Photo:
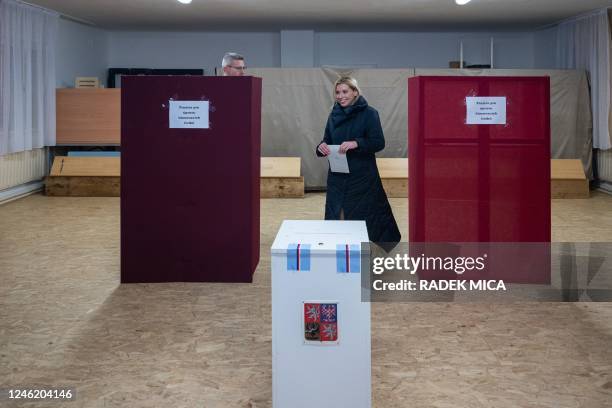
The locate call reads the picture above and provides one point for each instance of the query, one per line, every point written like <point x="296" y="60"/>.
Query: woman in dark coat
<point x="358" y="195"/>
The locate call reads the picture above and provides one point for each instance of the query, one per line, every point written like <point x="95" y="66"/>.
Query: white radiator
<point x="604" y="169"/>
<point x="23" y="167"/>
<point x="604" y="165"/>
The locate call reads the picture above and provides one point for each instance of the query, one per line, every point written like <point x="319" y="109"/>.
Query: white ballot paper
<point x="337" y="161"/>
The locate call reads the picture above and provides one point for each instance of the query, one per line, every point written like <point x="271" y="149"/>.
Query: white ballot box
<point x="321" y="353"/>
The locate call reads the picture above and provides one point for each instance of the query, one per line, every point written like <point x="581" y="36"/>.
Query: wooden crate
<point x="394" y="176"/>
<point x="86" y="82"/>
<point x="88" y="116"/>
<point x="280" y="177"/>
<point x="567" y="179"/>
<point x="84" y="177"/>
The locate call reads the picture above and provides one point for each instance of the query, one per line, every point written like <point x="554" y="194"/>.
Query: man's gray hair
<point x="229" y="57"/>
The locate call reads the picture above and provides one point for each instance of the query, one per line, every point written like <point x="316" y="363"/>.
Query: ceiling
<point x="363" y="15"/>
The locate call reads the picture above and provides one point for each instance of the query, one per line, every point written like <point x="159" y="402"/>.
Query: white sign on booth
<point x="485" y="110"/>
<point x="189" y="115"/>
<point x="321" y="353"/>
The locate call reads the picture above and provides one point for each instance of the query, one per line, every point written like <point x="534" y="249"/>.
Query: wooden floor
<point x="66" y="321"/>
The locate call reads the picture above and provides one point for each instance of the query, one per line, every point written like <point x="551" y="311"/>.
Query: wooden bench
<point x="567" y="179"/>
<point x="101" y="176"/>
<point x="280" y="178"/>
<point x="84" y="177"/>
<point x="394" y="176"/>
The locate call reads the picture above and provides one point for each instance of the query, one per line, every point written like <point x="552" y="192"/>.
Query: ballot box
<point x="320" y="327"/>
<point x="190" y="169"/>
<point x="479" y="157"/>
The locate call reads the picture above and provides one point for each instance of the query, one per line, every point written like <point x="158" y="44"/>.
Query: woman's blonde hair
<point x="348" y="81"/>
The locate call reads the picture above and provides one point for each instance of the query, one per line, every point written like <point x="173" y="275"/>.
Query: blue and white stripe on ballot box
<point x="348" y="258"/>
<point x="298" y="257"/>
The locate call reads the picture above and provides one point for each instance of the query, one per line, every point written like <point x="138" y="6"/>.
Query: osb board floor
<point x="66" y="321"/>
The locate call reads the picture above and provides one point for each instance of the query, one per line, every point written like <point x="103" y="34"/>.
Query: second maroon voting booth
<point x="479" y="168"/>
<point x="190" y="168"/>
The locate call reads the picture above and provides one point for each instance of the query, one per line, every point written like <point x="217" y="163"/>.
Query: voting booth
<point x="321" y="354"/>
<point x="190" y="168"/>
<point x="479" y="157"/>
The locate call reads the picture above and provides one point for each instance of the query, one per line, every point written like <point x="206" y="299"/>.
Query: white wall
<point x="298" y="49"/>
<point x="423" y="50"/>
<point x="545" y="48"/>
<point x="81" y="51"/>
<point x="129" y="49"/>
<point x="87" y="51"/>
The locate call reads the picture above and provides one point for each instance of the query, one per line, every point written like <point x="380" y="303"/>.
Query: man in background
<point x="233" y="64"/>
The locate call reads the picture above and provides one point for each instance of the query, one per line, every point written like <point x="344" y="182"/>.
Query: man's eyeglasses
<point x="243" y="68"/>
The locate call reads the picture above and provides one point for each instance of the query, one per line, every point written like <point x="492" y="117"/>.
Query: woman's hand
<point x="346" y="146"/>
<point x="324" y="149"/>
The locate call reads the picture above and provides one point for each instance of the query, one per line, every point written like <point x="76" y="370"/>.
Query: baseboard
<point x="605" y="186"/>
<point x="20" y="191"/>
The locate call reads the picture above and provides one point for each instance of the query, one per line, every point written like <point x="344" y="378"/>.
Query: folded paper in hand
<point x="337" y="161"/>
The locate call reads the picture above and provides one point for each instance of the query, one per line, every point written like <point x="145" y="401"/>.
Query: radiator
<point x="604" y="169"/>
<point x="604" y="165"/>
<point x="23" y="167"/>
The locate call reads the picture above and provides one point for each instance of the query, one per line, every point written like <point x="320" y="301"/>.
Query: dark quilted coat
<point x="360" y="193"/>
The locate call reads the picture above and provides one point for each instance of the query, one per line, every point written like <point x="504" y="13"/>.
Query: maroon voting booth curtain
<point x="481" y="182"/>
<point x="190" y="197"/>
